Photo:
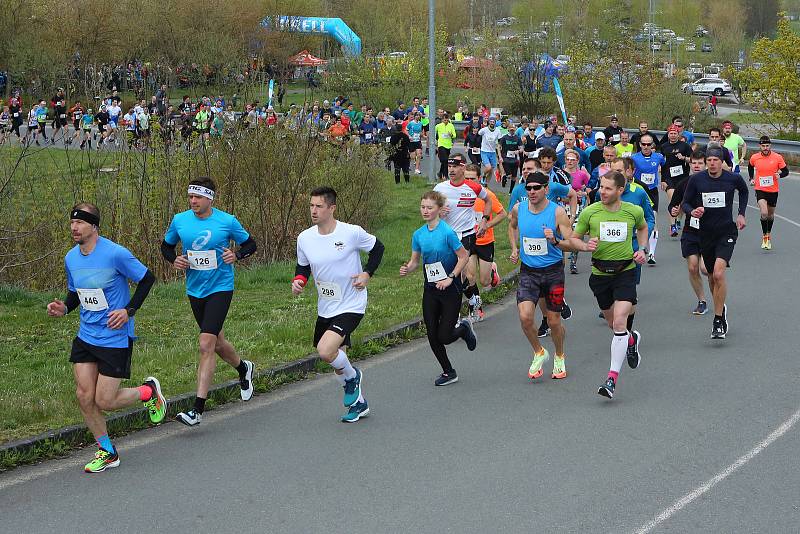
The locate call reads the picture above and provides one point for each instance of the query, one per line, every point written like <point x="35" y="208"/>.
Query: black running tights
<point x="440" y="312"/>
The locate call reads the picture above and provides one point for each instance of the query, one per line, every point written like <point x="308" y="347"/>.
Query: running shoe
<point x="102" y="460"/>
<point x="356" y="412"/>
<point x="157" y="405"/>
<point x="678" y="224"/>
<point x="535" y="370"/>
<point x="417" y="171"/>
<point x="505" y="180"/>
<point x="246" y="381"/>
<point x="352" y="389"/>
<point x="497" y="176"/>
<point x="566" y="312"/>
<point x="725" y="317"/>
<point x="190" y="418"/>
<point x="480" y="315"/>
<point x="495" y="275"/>
<point x="607" y="389"/>
<point x="445" y="379"/>
<point x="718" y="329"/>
<point x="544" y="330"/>
<point x="768" y="242"/>
<point x="573" y="267"/>
<point x="651" y="259"/>
<point x="764" y="242"/>
<point x="559" y="367"/>
<point x="701" y="309"/>
<point x="634" y="358"/>
<point x="600" y="315"/>
<point x="469" y="334"/>
<point x="673" y="230"/>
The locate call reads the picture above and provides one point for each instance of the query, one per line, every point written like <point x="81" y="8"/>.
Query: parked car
<point x="641" y="38"/>
<point x="694" y="69"/>
<point x="700" y="31"/>
<point x="712" y="71"/>
<point x="716" y="86"/>
<point x="691" y="47"/>
<point x="706" y="47"/>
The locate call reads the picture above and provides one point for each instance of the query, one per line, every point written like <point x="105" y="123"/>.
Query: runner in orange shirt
<point x="483" y="260"/>
<point x="765" y="168"/>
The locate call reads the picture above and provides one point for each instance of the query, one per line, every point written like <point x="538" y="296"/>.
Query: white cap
<point x="599" y="135"/>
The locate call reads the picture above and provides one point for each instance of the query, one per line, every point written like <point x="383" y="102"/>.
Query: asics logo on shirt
<point x="202" y="241"/>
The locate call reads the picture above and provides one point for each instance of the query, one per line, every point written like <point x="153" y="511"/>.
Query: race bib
<point x="63" y="116"/>
<point x="92" y="299"/>
<point x="615" y="138"/>
<point x="714" y="200"/>
<point x="534" y="246"/>
<point x="435" y="272"/>
<point x="415" y="137"/>
<point x="613" y="232"/>
<point x="648" y="178"/>
<point x="329" y="291"/>
<point x="626" y="154"/>
<point x="766" y="181"/>
<point x="476" y="150"/>
<point x="511" y="154"/>
<point x="388" y="139"/>
<point x="694" y="222"/>
<point x="676" y="171"/>
<point x="445" y="135"/>
<point x="368" y="136"/>
<point x="16" y="114"/>
<point x="202" y="260"/>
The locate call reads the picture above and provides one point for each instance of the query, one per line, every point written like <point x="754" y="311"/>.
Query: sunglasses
<point x="535" y="187"/>
<point x="645" y="144"/>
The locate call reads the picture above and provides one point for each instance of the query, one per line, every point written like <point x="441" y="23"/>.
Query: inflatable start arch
<point x="332" y="27"/>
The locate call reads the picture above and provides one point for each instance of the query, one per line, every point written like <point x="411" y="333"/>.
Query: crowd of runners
<point x="572" y="190"/>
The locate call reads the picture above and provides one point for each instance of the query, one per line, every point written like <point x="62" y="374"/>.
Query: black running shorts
<point x="717" y="246"/>
<point x="771" y="198"/>
<point x="113" y="362"/>
<point x="469" y="243"/>
<point x="546" y="283"/>
<point x="485" y="252"/>
<point x="690" y="244"/>
<point x="343" y="324"/>
<point x="609" y="288"/>
<point x="210" y="311"/>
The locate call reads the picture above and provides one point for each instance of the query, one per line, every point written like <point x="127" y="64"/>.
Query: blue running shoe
<point x="469" y="334"/>
<point x="352" y="389"/>
<point x="356" y="412"/>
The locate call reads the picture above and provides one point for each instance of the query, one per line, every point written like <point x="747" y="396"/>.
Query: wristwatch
<point x="131" y="311"/>
<point x="486" y="217"/>
<point x="452" y="275"/>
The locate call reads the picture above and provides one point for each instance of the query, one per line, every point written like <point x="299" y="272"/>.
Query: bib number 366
<point x="613" y="232"/>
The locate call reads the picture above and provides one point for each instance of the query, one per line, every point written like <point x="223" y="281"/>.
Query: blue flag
<point x="560" y="97"/>
<point x="272" y="87"/>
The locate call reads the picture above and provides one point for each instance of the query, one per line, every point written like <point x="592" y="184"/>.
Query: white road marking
<point x="719" y="477"/>
<point x="781" y="217"/>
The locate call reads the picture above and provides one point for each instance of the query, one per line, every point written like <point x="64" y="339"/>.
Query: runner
<point x="764" y="169"/>
<point x="489" y="136"/>
<point x="415" y="134"/>
<point x="459" y="214"/>
<point x="330" y="251"/>
<point x="445" y="134"/>
<point x="41" y="119"/>
<point x="676" y="167"/>
<point x="87" y="120"/>
<point x="98" y="271"/>
<point x="472" y="140"/>
<point x="580" y="182"/>
<point x="538" y="226"/>
<point x="709" y="198"/>
<point x="59" y="103"/>
<point x="483" y="260"/>
<point x="625" y="148"/>
<point x="690" y="238"/>
<point x="648" y="164"/>
<point x="76" y="112"/>
<point x="205" y="234"/>
<point x="399" y="150"/>
<point x="5" y="124"/>
<point x="509" y="150"/>
<point x="17" y="118"/>
<point x="613" y="132"/>
<point x="444" y="259"/>
<point x="735" y="144"/>
<point x="611" y="224"/>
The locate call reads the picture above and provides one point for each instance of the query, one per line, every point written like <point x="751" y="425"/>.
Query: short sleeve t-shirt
<point x="489" y="138"/>
<point x="732" y="143"/>
<point x="646" y="168"/>
<point x="497" y="208"/>
<point x="615" y="229"/>
<point x="414" y="130"/>
<point x="203" y="241"/>
<point x="461" y="203"/>
<point x="334" y="259"/>
<point x="767" y="167"/>
<point x="436" y="246"/>
<point x="101" y="280"/>
<point x="445" y="134"/>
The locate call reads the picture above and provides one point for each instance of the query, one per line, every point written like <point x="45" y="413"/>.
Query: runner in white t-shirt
<point x="490" y="135"/>
<point x="330" y="251"/>
<point x="459" y="214"/>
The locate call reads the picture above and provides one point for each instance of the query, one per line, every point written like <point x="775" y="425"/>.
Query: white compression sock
<point x="653" y="242"/>
<point x="619" y="348"/>
<point x="343" y="364"/>
<point x="339" y="378"/>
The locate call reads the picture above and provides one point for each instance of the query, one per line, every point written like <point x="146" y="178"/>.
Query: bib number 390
<point x="534" y="246"/>
<point x="92" y="299"/>
<point x="613" y="232"/>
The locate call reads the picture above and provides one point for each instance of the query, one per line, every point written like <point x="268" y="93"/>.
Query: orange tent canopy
<point x="306" y="59"/>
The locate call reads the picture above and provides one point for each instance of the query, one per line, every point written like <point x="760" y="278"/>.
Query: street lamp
<point x="431" y="91"/>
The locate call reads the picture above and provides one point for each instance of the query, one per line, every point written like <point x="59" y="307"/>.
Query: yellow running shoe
<point x="102" y="460"/>
<point x="536" y="365"/>
<point x="559" y="368"/>
<point x="768" y="242"/>
<point x="764" y="242"/>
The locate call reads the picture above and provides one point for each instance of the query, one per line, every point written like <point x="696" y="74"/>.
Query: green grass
<point x="745" y="118"/>
<point x="265" y="324"/>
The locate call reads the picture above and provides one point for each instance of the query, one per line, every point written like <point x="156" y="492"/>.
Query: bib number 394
<point x="202" y="260"/>
<point x="534" y="246"/>
<point x="714" y="200"/>
<point x="329" y="291"/>
<point x="92" y="299"/>
<point x="613" y="232"/>
<point x="434" y="272"/>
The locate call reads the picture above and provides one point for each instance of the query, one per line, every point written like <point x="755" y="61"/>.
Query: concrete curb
<point x="137" y="418"/>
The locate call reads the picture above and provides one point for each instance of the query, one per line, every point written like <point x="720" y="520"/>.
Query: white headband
<point x="201" y="191"/>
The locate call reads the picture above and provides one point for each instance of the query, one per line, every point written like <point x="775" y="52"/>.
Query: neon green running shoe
<point x="102" y="460"/>
<point x="536" y="365"/>
<point x="559" y="367"/>
<point x="157" y="405"/>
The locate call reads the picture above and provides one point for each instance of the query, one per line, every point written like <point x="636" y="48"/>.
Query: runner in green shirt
<point x="611" y="224"/>
<point x="445" y="134"/>
<point x="735" y="144"/>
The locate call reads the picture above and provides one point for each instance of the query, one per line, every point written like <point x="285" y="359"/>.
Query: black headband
<point x="82" y="215"/>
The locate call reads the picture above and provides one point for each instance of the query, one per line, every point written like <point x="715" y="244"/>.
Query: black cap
<point x="764" y="140"/>
<point x="537" y="178"/>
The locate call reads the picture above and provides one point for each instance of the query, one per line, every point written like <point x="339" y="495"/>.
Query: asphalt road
<point x="701" y="438"/>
